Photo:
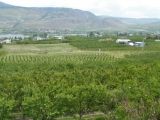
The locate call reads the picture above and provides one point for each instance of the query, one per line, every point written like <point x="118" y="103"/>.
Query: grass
<point x="47" y="41"/>
<point x="95" y="44"/>
<point x="3" y="52"/>
<point x="39" y="49"/>
<point x="59" y="49"/>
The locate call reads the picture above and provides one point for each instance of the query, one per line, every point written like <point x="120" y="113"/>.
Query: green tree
<point x="1" y="45"/>
<point x="6" y="107"/>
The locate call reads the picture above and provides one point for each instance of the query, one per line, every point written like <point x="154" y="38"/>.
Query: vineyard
<point x="57" y="59"/>
<point x="62" y="82"/>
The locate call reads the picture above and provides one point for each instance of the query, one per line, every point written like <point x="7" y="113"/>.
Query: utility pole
<point x="143" y="43"/>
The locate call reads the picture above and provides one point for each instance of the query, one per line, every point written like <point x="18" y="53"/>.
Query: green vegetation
<point x="97" y="43"/>
<point x="2" y="52"/>
<point x="109" y="44"/>
<point x="48" y="41"/>
<point x="1" y="46"/>
<point x="59" y="81"/>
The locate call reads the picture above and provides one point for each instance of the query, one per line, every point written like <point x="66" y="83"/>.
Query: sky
<point x="116" y="8"/>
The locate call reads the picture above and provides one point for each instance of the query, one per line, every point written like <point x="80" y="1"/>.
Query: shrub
<point x="1" y="45"/>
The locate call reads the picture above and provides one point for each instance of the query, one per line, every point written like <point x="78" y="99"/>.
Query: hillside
<point x="14" y="18"/>
<point x="4" y="5"/>
<point x="51" y="19"/>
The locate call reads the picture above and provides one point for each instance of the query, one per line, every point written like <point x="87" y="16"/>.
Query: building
<point x="157" y="40"/>
<point x="59" y="37"/>
<point x="123" y="41"/>
<point x="13" y="36"/>
<point x="5" y="41"/>
<point x="39" y="38"/>
<point x="139" y="44"/>
<point x="94" y="34"/>
<point x="130" y="43"/>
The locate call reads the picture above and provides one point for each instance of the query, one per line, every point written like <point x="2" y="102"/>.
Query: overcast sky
<point x="119" y="8"/>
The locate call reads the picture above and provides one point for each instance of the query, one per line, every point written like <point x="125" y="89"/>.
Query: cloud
<point x="120" y="8"/>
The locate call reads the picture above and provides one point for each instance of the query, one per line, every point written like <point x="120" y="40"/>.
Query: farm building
<point x="59" y="37"/>
<point x="13" y="36"/>
<point x="139" y="44"/>
<point x="39" y="38"/>
<point x="130" y="43"/>
<point x="157" y="40"/>
<point x="123" y="41"/>
<point x="5" y="41"/>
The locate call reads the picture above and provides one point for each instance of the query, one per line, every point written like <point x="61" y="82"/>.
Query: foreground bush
<point x="1" y="45"/>
<point x="41" y="88"/>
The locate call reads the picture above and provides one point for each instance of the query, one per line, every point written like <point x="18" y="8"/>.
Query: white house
<point x="139" y="44"/>
<point x="157" y="40"/>
<point x="131" y="43"/>
<point x="123" y="41"/>
<point x="13" y="36"/>
<point x="59" y="37"/>
<point x="5" y="41"/>
<point x="39" y="38"/>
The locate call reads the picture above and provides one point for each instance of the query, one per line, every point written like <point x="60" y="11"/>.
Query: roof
<point x="139" y="42"/>
<point x="123" y="40"/>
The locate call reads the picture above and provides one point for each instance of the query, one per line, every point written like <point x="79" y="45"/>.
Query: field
<point x="88" y="79"/>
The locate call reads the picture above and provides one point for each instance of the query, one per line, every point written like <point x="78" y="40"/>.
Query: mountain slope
<point x="21" y="18"/>
<point x="4" y="5"/>
<point x="14" y="18"/>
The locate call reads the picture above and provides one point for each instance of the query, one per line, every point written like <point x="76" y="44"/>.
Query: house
<point x="39" y="38"/>
<point x="139" y="44"/>
<point x="157" y="40"/>
<point x="94" y="34"/>
<point x="131" y="43"/>
<point x="5" y="41"/>
<point x="123" y="41"/>
<point x="59" y="37"/>
<point x="130" y="34"/>
<point x="13" y="36"/>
